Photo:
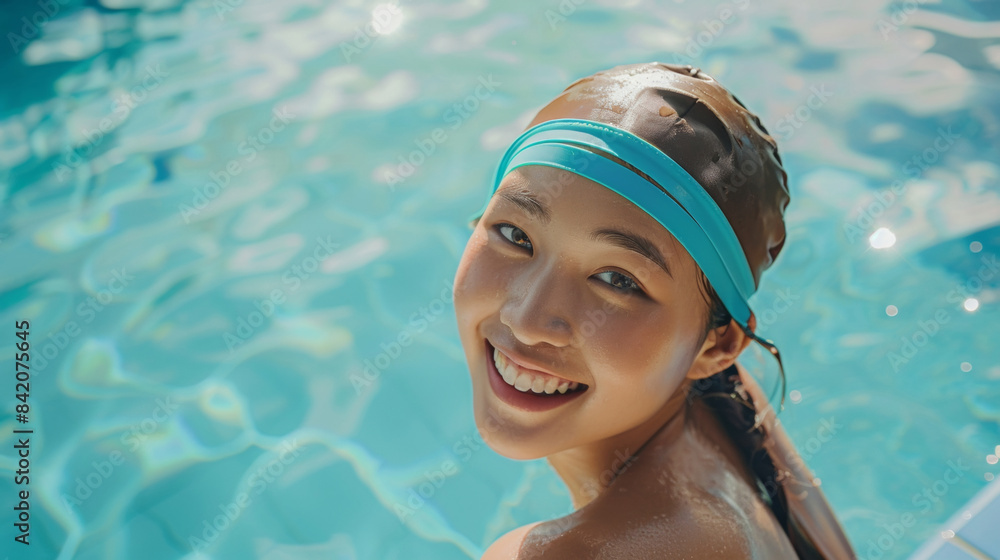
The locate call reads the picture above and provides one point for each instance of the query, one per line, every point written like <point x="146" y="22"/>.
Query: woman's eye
<point x="620" y="282"/>
<point x="516" y="235"/>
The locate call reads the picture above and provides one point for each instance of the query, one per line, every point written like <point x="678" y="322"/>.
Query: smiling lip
<point x="529" y="401"/>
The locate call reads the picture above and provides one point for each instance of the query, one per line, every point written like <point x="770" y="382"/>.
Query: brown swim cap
<point x="700" y="125"/>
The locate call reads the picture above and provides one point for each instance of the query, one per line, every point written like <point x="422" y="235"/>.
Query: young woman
<point x="602" y="303"/>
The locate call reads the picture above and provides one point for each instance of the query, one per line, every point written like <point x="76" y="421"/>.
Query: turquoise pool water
<point x="222" y="217"/>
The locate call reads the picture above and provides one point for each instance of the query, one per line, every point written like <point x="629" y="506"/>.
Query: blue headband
<point x="675" y="199"/>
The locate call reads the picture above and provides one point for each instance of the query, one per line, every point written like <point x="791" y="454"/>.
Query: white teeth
<point x="525" y="382"/>
<point x="508" y="374"/>
<point x="538" y="385"/>
<point x="551" y="385"/>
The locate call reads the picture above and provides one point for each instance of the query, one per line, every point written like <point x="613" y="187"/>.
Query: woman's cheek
<point x="640" y="355"/>
<point x="476" y="281"/>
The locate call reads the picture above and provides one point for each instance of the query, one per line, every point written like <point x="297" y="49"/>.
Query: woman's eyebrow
<point x="626" y="240"/>
<point x="633" y="242"/>
<point x="527" y="202"/>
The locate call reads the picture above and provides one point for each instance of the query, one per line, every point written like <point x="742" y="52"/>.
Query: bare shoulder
<point x="507" y="546"/>
<point x="698" y="536"/>
<point x="690" y="537"/>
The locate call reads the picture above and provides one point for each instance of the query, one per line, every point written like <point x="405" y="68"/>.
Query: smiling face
<point x="580" y="298"/>
<point x="565" y="276"/>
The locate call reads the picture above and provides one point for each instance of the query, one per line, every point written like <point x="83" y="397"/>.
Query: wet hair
<point x="718" y="315"/>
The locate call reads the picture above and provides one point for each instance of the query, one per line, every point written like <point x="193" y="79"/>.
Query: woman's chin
<point x="515" y="450"/>
<point x="505" y="439"/>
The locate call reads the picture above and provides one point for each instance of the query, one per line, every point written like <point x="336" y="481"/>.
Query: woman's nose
<point x="539" y="306"/>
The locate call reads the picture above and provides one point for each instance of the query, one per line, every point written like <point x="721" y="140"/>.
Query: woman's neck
<point x="588" y="470"/>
